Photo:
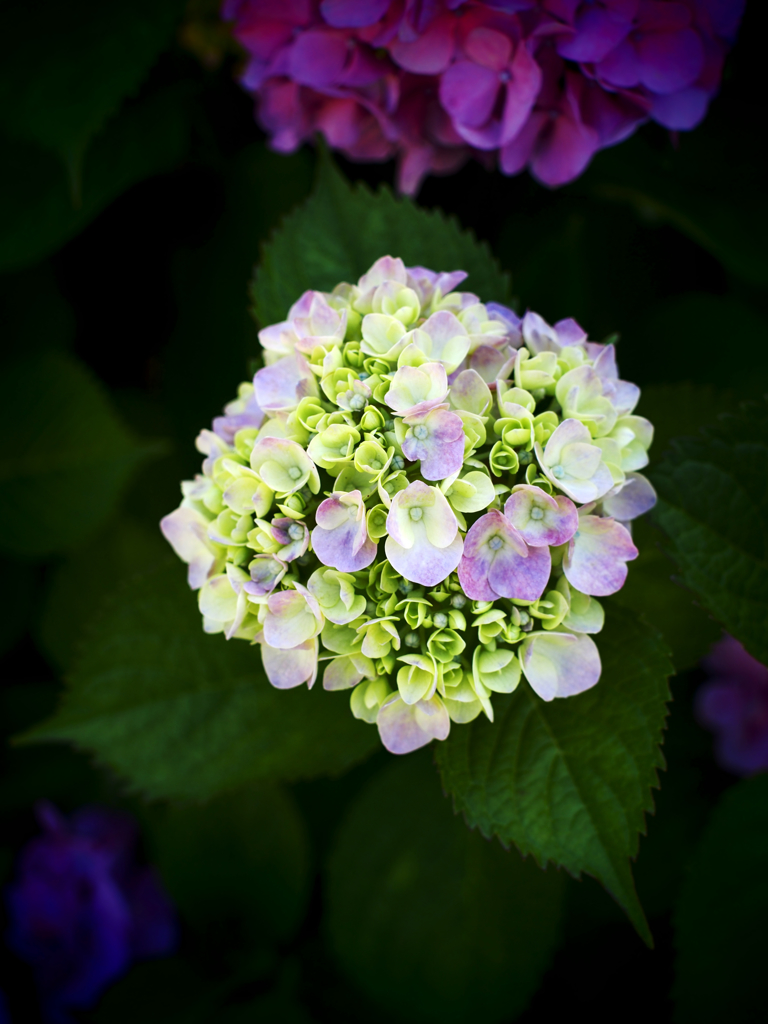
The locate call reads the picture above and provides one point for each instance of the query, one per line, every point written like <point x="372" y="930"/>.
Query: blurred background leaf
<point x="570" y="781"/>
<point x="179" y="713"/>
<point x="68" y="66"/>
<point x="342" y="229"/>
<point x="720" y="918"/>
<point x="713" y="507"/>
<point x="67" y="457"/>
<point x="433" y="922"/>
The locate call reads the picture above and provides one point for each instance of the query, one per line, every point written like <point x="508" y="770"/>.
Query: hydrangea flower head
<point x="428" y="517"/>
<point x="81" y="909"/>
<point x="536" y="83"/>
<point x="733" y="703"/>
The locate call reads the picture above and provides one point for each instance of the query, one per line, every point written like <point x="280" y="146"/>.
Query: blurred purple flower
<point x="81" y="909"/>
<point x="733" y="703"/>
<point x="540" y="83"/>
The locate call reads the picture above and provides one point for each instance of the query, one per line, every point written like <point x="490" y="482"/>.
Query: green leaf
<point x="148" y="136"/>
<point x="652" y="591"/>
<point x="237" y="868"/>
<point x="342" y="229"/>
<point x="79" y="587"/>
<point x="66" y="459"/>
<point x="720" y="918"/>
<point x="430" y="921"/>
<point x="710" y="190"/>
<point x="180" y="713"/>
<point x="569" y="781"/>
<point x="713" y="507"/>
<point x="67" y="67"/>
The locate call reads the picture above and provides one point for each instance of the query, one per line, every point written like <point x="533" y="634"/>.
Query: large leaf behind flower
<point x="720" y="917"/>
<point x="713" y="506"/>
<point x="429" y="919"/>
<point x="66" y="456"/>
<point x="569" y="781"/>
<point x="342" y="229"/>
<point x="179" y="713"/>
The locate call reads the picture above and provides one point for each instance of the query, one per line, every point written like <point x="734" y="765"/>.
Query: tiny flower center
<point x="420" y="432"/>
<point x="294" y="472"/>
<point x="558" y="471"/>
<point x="495" y="543"/>
<point x="537" y="513"/>
<point x="295" y="532"/>
<point x="398" y="462"/>
<point x="375" y="464"/>
<point x="357" y="402"/>
<point x="440" y="620"/>
<point x="416" y="513"/>
<point x="458" y="600"/>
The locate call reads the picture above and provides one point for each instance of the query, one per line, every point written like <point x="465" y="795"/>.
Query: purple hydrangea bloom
<point x="81" y="909"/>
<point x="536" y="83"/>
<point x="733" y="703"/>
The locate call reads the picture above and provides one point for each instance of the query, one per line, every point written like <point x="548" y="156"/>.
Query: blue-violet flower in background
<point x="82" y="909"/>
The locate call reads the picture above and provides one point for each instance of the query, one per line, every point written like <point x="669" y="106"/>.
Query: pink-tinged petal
<point x="515" y="155"/>
<point x="568" y="432"/>
<point x="565" y="151"/>
<point x="560" y="664"/>
<point x="522" y="90"/>
<point x="418" y="387"/>
<point x="621" y="67"/>
<point x="670" y="61"/>
<point x="281" y="386"/>
<point x="292" y="619"/>
<point x="317" y="57"/>
<point x="287" y="669"/>
<point x="498" y="563"/>
<point x="386" y="268"/>
<point x="186" y="530"/>
<point x="424" y="563"/>
<point x="681" y="111"/>
<point x="266" y="572"/>
<point x="520" y="579"/>
<point x="489" y="48"/>
<point x="468" y="92"/>
<point x="598" y="31"/>
<point x="335" y="548"/>
<point x="353" y="13"/>
<point x="541" y="518"/>
<point x="569" y="332"/>
<point x="632" y="499"/>
<point x="430" y="52"/>
<point x="470" y="393"/>
<point x="407" y="727"/>
<point x="595" y="562"/>
<point x="441" y="451"/>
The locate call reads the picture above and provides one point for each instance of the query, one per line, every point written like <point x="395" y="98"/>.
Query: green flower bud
<point x="372" y="419"/>
<point x="445" y="645"/>
<point x="551" y="609"/>
<point x="371" y="458"/>
<point x="376" y="521"/>
<point x="415" y="611"/>
<point x="503" y="459"/>
<point x="417" y="679"/>
<point x="333" y="447"/>
<point x="379" y="637"/>
<point x="489" y="625"/>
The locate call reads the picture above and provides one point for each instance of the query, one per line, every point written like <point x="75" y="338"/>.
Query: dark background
<point x="662" y="240"/>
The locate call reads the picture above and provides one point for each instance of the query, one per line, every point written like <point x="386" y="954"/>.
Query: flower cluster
<point x="733" y="703"/>
<point x="81" y="910"/>
<point x="537" y="83"/>
<point x="423" y="492"/>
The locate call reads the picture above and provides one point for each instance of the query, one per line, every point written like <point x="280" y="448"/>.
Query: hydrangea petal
<point x="595" y="562"/>
<point x="407" y="727"/>
<point x="560" y="664"/>
<point x="287" y="669"/>
<point x="541" y="518"/>
<point x="631" y="499"/>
